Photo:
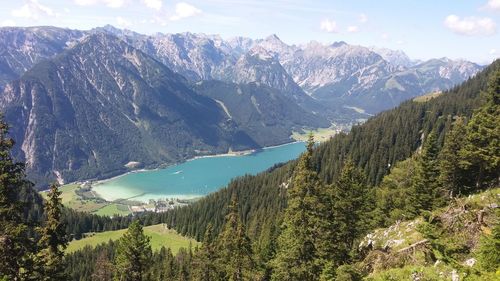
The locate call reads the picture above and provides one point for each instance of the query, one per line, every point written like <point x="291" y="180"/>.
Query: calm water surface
<point x="196" y="177"/>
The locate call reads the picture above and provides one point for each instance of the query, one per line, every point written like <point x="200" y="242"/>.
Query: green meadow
<point x="160" y="236"/>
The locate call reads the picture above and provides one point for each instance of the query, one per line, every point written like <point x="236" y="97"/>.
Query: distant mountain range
<point x="82" y="104"/>
<point x="338" y="74"/>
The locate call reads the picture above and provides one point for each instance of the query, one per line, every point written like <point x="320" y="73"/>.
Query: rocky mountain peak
<point x="397" y="58"/>
<point x="273" y="40"/>
<point x="261" y="53"/>
<point x="273" y="44"/>
<point x="338" y="44"/>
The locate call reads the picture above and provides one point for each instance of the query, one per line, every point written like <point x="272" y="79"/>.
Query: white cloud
<point x="493" y="51"/>
<point x="363" y="18"/>
<point x="109" y="3"/>
<point x="114" y="3"/>
<point x="470" y="26"/>
<point x="121" y="22"/>
<point x="33" y="10"/>
<point x="7" y="23"/>
<point x="160" y="20"/>
<point x="86" y="2"/>
<point x="153" y="4"/>
<point x="385" y="36"/>
<point x="184" y="10"/>
<point x="400" y="42"/>
<point x="329" y="26"/>
<point x="352" y="29"/>
<point x="493" y="5"/>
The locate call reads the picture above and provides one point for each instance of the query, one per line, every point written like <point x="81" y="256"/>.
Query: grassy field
<point x="427" y="97"/>
<point x="160" y="236"/>
<point x="90" y="204"/>
<point x="113" y="210"/>
<point x="321" y="134"/>
<point x="68" y="195"/>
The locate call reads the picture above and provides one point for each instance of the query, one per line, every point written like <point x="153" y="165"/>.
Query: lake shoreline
<point x="163" y="166"/>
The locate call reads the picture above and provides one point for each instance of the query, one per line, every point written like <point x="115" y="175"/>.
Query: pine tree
<point x="53" y="241"/>
<point x="392" y="193"/>
<point x="351" y="211"/>
<point x="303" y="245"/>
<point x="424" y="191"/>
<point x="103" y="270"/>
<point x="15" y="244"/>
<point x="481" y="153"/>
<point x="133" y="254"/>
<point x="204" y="268"/>
<point x="234" y="248"/>
<point x="268" y="252"/>
<point x="452" y="177"/>
<point x="169" y="269"/>
<point x="184" y="261"/>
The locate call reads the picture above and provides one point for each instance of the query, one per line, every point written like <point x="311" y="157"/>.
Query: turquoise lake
<point x="194" y="178"/>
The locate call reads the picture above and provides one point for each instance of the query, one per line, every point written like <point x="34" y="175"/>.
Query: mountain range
<point x="337" y="74"/>
<point x="84" y="104"/>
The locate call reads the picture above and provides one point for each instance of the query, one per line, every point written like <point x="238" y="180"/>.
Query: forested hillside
<point x="382" y="141"/>
<point x="267" y="115"/>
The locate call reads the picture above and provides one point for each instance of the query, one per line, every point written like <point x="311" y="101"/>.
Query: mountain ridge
<point x="338" y="74"/>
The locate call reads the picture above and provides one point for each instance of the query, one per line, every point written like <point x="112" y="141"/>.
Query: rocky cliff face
<point x="21" y="48"/>
<point x="372" y="79"/>
<point x="196" y="57"/>
<point x="336" y="75"/>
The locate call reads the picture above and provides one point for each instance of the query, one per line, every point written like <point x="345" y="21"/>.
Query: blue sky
<point x="468" y="29"/>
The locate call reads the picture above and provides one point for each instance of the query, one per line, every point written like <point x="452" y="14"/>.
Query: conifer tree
<point x="351" y="211"/>
<point x="184" y="260"/>
<point x="103" y="270"/>
<point x="425" y="183"/>
<point x="53" y="241"/>
<point x="169" y="264"/>
<point x="452" y="177"/>
<point x="133" y="254"/>
<point x="15" y="244"/>
<point x="234" y="248"/>
<point x="392" y="193"/>
<point x="481" y="153"/>
<point x="204" y="268"/>
<point x="303" y="243"/>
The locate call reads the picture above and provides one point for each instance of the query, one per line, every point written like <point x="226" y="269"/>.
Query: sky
<point x="458" y="29"/>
